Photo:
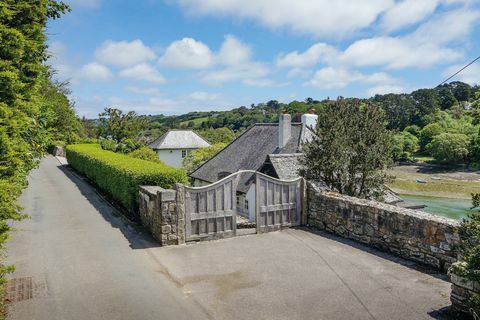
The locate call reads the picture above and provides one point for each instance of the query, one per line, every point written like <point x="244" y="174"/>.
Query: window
<point x="184" y="153"/>
<point x="238" y="200"/>
<point x="246" y="204"/>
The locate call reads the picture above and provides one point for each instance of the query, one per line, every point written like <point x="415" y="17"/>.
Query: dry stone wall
<point x="161" y="212"/>
<point x="410" y="234"/>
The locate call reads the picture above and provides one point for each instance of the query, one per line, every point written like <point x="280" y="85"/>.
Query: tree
<point x="428" y="133"/>
<point x="198" y="157"/>
<point x="219" y="135"/>
<point x="145" y="153"/>
<point x="404" y="145"/>
<point x="116" y="125"/>
<point x="449" y="148"/>
<point x="446" y="97"/>
<point x="23" y="132"/>
<point x="426" y="102"/>
<point x="350" y="148"/>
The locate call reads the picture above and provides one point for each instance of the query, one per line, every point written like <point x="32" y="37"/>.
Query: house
<point x="175" y="145"/>
<point x="267" y="147"/>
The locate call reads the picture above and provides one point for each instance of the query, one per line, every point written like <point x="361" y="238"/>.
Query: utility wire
<point x="465" y="67"/>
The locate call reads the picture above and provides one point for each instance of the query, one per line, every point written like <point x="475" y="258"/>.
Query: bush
<point x="120" y="175"/>
<point x="449" y="148"/>
<point x="428" y="133"/>
<point x="404" y="145"/>
<point x="145" y="153"/>
<point x="109" y="145"/>
<point x="468" y="250"/>
<point x="198" y="157"/>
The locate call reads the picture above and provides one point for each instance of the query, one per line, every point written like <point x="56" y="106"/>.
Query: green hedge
<point x="120" y="175"/>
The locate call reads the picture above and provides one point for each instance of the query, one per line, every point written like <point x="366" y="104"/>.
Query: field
<point x="197" y="121"/>
<point x="457" y="183"/>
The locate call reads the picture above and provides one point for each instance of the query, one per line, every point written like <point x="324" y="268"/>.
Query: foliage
<point x="57" y="113"/>
<point x="108" y="144"/>
<point x="145" y="153"/>
<point x="24" y="135"/>
<point x="198" y="157"/>
<point x="119" y="126"/>
<point x="219" y="135"/>
<point x="468" y="250"/>
<point x="120" y="175"/>
<point x="449" y="148"/>
<point x="474" y="149"/>
<point x="404" y="145"/>
<point x="350" y="149"/>
<point x="428" y="133"/>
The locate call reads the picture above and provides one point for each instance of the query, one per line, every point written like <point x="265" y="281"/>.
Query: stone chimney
<point x="284" y="129"/>
<point x="310" y="119"/>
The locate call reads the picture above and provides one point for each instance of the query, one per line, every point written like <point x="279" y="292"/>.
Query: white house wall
<point x="172" y="157"/>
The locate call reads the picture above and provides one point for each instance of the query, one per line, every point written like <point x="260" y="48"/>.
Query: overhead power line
<point x="465" y="67"/>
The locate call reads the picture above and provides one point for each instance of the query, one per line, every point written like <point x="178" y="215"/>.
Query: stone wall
<point x="462" y="290"/>
<point x="410" y="234"/>
<point x="161" y="213"/>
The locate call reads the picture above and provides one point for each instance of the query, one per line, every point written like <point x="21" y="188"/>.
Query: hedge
<point x="120" y="175"/>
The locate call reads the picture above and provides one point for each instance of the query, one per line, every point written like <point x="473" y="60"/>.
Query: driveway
<point x="88" y="263"/>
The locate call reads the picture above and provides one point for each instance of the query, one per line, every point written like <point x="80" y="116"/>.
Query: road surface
<point x="85" y="262"/>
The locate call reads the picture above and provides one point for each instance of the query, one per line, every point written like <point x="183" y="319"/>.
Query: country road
<point x="82" y="261"/>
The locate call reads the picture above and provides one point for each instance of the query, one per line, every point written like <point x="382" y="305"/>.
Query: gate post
<point x="303" y="202"/>
<point x="180" y="208"/>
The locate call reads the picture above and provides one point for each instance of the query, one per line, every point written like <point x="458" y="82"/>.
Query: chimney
<point x="310" y="119"/>
<point x="284" y="129"/>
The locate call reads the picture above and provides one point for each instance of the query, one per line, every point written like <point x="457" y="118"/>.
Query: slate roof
<point x="179" y="139"/>
<point x="285" y="166"/>
<point x="248" y="152"/>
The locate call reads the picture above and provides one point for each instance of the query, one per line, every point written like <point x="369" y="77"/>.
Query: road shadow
<point x="138" y="237"/>
<point x="377" y="252"/>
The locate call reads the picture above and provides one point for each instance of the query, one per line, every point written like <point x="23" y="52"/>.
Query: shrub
<point x="428" y="133"/>
<point x="404" y="145"/>
<point x="449" y="148"/>
<point x="468" y="250"/>
<point x="109" y="145"/>
<point x="145" y="153"/>
<point x="120" y="175"/>
<point x="198" y="157"/>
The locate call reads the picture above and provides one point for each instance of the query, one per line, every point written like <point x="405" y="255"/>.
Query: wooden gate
<point x="210" y="211"/>
<point x="279" y="203"/>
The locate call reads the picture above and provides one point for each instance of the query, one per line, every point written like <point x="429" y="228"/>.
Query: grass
<point x="197" y="121"/>
<point x="452" y="184"/>
<point x="436" y="188"/>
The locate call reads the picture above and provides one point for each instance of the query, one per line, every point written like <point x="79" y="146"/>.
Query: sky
<point x="176" y="56"/>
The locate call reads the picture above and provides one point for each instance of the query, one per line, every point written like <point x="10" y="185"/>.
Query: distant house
<point x="272" y="148"/>
<point x="175" y="145"/>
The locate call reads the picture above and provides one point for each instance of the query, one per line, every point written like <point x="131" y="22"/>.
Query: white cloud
<point x="337" y="78"/>
<point x="396" y="53"/>
<point x="57" y="51"/>
<point x="143" y="90"/>
<point x="143" y="72"/>
<point x="384" y="89"/>
<point x="243" y="72"/>
<point x="322" y="18"/>
<point x="319" y="52"/>
<point x="451" y="26"/>
<point x="124" y="53"/>
<point x="233" y="51"/>
<point x="408" y="12"/>
<point x="94" y="72"/>
<point x="470" y="75"/>
<point x="204" y="96"/>
<point x="187" y="54"/>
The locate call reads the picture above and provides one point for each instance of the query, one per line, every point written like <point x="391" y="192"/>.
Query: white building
<point x="175" y="145"/>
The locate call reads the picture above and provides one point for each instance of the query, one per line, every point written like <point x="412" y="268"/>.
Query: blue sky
<point x="176" y="56"/>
